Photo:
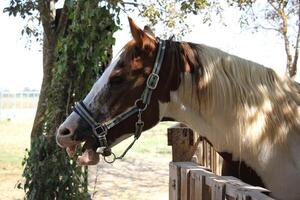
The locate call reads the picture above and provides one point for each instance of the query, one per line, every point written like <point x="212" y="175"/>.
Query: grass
<point x="10" y="159"/>
<point x="15" y="138"/>
<point x="151" y="142"/>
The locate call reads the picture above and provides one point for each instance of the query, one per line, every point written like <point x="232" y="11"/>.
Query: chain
<point x="95" y="181"/>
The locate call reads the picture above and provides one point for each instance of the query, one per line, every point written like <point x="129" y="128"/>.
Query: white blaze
<point x="100" y="83"/>
<point x="72" y="120"/>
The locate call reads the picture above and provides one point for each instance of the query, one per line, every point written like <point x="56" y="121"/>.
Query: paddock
<point x="195" y="171"/>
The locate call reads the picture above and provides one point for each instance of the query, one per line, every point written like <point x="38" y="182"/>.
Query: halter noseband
<point x="100" y="130"/>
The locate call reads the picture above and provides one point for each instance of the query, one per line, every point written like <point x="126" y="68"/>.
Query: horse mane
<point x="240" y="82"/>
<point x="260" y="100"/>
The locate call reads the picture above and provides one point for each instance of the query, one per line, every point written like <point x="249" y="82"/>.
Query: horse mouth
<point x="88" y="156"/>
<point x="71" y="150"/>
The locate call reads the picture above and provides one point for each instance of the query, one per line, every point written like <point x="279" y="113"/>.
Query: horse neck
<point x="189" y="101"/>
<point x="238" y="113"/>
<point x="185" y="107"/>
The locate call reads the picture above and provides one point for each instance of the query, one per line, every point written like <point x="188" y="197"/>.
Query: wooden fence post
<point x="184" y="145"/>
<point x="174" y="182"/>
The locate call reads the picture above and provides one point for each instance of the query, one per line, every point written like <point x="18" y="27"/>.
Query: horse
<point x="248" y="112"/>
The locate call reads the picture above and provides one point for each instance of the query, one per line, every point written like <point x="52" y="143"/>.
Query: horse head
<point x="128" y="92"/>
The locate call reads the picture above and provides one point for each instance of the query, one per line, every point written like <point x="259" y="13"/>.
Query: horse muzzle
<point x="64" y="138"/>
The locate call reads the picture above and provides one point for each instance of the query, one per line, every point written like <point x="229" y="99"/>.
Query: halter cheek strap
<point x="100" y="130"/>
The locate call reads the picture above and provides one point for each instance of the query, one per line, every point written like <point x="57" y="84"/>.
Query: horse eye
<point x="116" y="80"/>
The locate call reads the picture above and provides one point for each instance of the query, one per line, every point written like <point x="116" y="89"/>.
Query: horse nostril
<point x="64" y="132"/>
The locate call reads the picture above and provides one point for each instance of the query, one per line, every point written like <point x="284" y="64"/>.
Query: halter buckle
<point x="152" y="81"/>
<point x="103" y="129"/>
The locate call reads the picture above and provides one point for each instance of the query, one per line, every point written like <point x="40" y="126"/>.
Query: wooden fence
<point x="18" y="105"/>
<point x="200" y="179"/>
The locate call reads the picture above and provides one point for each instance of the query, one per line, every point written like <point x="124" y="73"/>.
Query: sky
<point x="21" y="67"/>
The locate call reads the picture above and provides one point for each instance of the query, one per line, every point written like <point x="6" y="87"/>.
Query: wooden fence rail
<point x="200" y="179"/>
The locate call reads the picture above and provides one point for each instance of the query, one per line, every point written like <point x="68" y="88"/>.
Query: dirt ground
<point x="135" y="179"/>
<point x="8" y="182"/>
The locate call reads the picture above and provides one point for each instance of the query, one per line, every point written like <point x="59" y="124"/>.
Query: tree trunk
<point x="295" y="61"/>
<point x="49" y="59"/>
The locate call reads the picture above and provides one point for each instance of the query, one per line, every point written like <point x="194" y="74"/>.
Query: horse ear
<point x="141" y="37"/>
<point x="136" y="32"/>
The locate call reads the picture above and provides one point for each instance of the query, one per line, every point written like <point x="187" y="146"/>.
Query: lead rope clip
<point x="139" y="125"/>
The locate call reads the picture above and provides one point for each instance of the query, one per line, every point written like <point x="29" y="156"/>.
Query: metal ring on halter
<point x="136" y="104"/>
<point x="113" y="156"/>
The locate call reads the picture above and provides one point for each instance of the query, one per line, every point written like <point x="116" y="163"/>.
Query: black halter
<point x="100" y="130"/>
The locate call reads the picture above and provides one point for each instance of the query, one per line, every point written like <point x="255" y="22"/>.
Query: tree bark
<point x="295" y="62"/>
<point x="48" y="65"/>
<point x="289" y="67"/>
<point x="47" y="12"/>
